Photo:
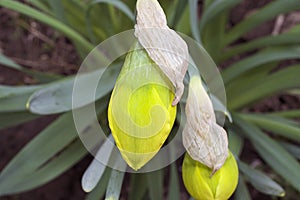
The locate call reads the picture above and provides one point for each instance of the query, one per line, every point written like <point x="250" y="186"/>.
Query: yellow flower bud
<point x="140" y="111"/>
<point x="203" y="185"/>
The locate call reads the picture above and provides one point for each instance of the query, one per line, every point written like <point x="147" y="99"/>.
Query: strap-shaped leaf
<point x="263" y="57"/>
<point x="193" y="5"/>
<point x="95" y="171"/>
<point x="273" y="153"/>
<point x="114" y="185"/>
<point x="261" y="181"/>
<point x="174" y="187"/>
<point x="14" y="98"/>
<point x="57" y="97"/>
<point x="264" y="87"/>
<point x="138" y="186"/>
<point x="155" y="184"/>
<point x="278" y="40"/>
<point x="100" y="189"/>
<point x="36" y="154"/>
<point x="292" y="148"/>
<point x="277" y="125"/>
<point x="242" y="191"/>
<point x="14" y="118"/>
<point x="268" y="12"/>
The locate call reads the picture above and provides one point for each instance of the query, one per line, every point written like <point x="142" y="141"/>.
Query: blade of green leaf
<point x="58" y="10"/>
<point x="8" y="62"/>
<point x="264" y="87"/>
<point x="99" y="190"/>
<point x="260" y="181"/>
<point x="215" y="9"/>
<point x="116" y="3"/>
<point x="178" y="12"/>
<point x="264" y="56"/>
<point x="273" y="153"/>
<point x="155" y="184"/>
<point x="73" y="153"/>
<point x="268" y="12"/>
<point x="247" y="79"/>
<point x="193" y="5"/>
<point x="43" y="77"/>
<point x="95" y="171"/>
<point x="235" y="142"/>
<point x="14" y="98"/>
<point x="15" y="118"/>
<point x="41" y="5"/>
<point x="277" y="125"/>
<point x="287" y="114"/>
<point x="57" y="96"/>
<point x="35" y="153"/>
<point x="114" y="185"/>
<point x="242" y="191"/>
<point x="44" y="18"/>
<point x="49" y="154"/>
<point x="293" y="149"/>
<point x="138" y="186"/>
<point x="174" y="189"/>
<point x="277" y="40"/>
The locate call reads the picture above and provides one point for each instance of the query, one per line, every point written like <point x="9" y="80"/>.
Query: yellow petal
<point x="140" y="111"/>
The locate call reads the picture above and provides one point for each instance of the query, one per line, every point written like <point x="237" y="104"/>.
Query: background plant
<point x="254" y="76"/>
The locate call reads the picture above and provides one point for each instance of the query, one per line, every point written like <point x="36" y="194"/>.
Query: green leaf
<point x="36" y="154"/>
<point x="41" y="76"/>
<point x="42" y="5"/>
<point x="215" y="9"/>
<point x="138" y="186"/>
<point x="57" y="96"/>
<point x="100" y="189"/>
<point x="12" y="119"/>
<point x="174" y="189"/>
<point x="14" y="98"/>
<point x="265" y="87"/>
<point x="96" y="169"/>
<point x="67" y="158"/>
<point x="235" y="142"/>
<point x="292" y="148"/>
<point x="155" y="184"/>
<point x="116" y="3"/>
<point x="242" y="191"/>
<point x="114" y="185"/>
<point x="247" y="79"/>
<point x="268" y="41"/>
<point x="273" y="153"/>
<point x="49" y="20"/>
<point x="270" y="11"/>
<point x="49" y="154"/>
<point x="193" y="5"/>
<point x="8" y="62"/>
<point x="287" y="114"/>
<point x="178" y="13"/>
<point x="277" y="125"/>
<point x="260" y="181"/>
<point x="264" y="56"/>
<point x="58" y="10"/>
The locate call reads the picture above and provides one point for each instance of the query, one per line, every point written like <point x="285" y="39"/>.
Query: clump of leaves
<point x="247" y="81"/>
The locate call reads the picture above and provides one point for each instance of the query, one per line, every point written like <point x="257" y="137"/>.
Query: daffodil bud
<point x="203" y="138"/>
<point x="203" y="185"/>
<point x="140" y="111"/>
